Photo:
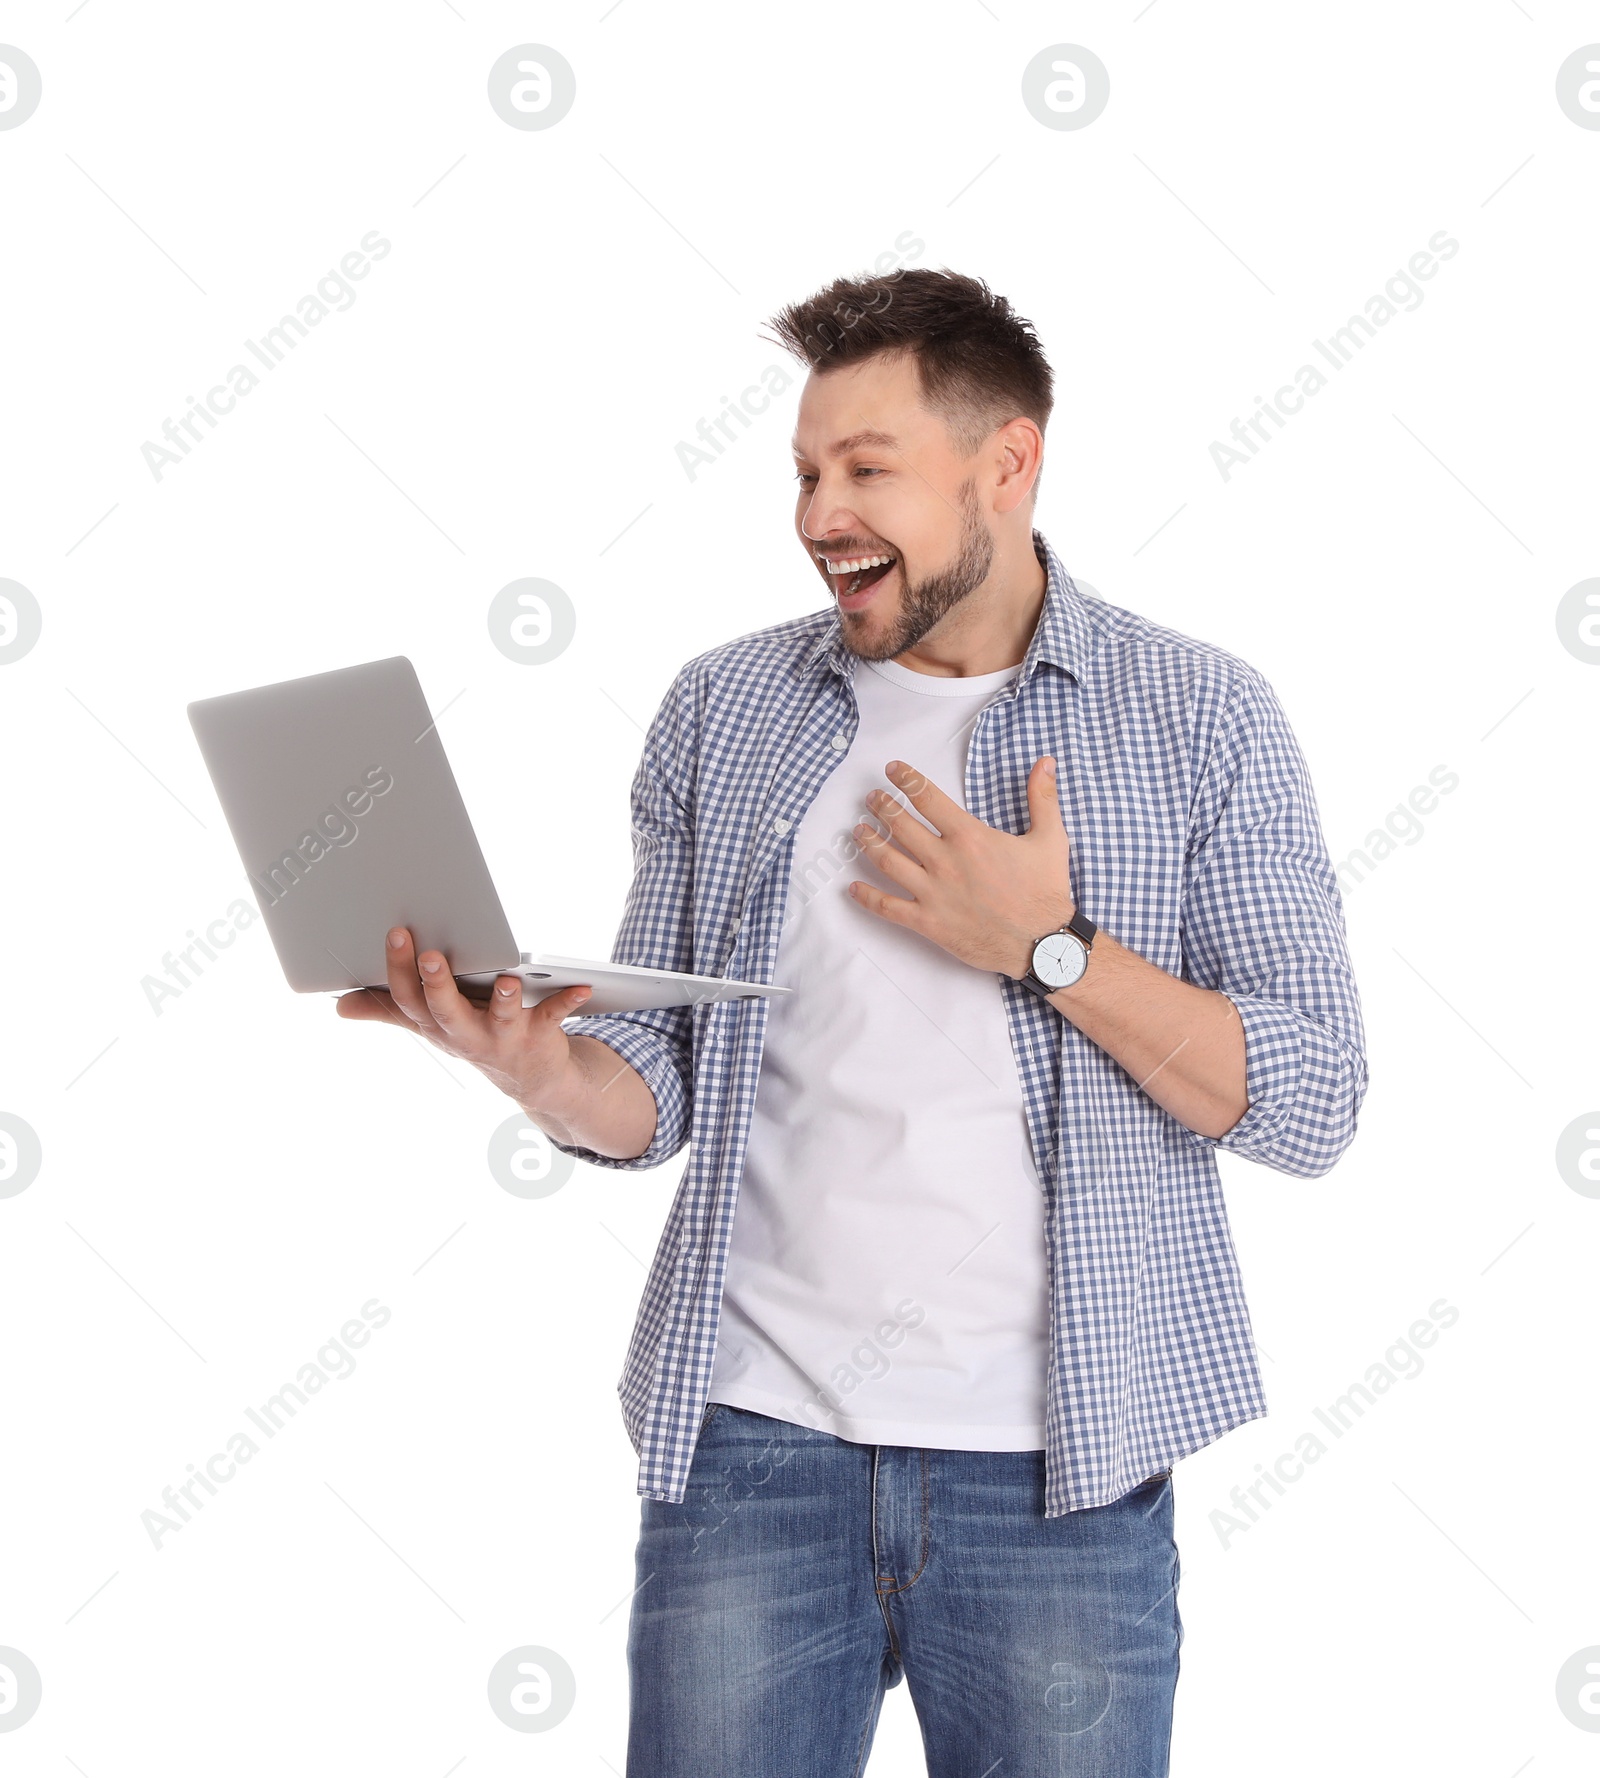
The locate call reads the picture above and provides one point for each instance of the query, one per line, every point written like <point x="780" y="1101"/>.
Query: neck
<point x="991" y="628"/>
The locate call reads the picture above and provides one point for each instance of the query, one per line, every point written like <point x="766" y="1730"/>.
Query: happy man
<point x="948" y="1287"/>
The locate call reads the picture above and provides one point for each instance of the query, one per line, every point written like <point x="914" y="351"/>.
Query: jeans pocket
<point x="711" y="1408"/>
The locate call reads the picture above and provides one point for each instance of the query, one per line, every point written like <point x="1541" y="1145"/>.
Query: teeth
<point x="856" y="566"/>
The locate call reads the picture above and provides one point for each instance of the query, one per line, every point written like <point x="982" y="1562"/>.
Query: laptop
<point x="348" y="821"/>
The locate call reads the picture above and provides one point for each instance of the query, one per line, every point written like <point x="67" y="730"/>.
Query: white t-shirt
<point x="887" y="1277"/>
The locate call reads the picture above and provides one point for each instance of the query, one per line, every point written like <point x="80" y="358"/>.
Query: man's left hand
<point x="982" y="894"/>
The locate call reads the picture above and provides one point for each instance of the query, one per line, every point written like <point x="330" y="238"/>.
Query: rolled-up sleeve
<point x="657" y="932"/>
<point x="1263" y="923"/>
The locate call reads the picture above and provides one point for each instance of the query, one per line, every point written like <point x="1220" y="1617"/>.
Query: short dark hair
<point x="979" y="362"/>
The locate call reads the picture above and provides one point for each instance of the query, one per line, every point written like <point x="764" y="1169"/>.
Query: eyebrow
<point x="865" y="440"/>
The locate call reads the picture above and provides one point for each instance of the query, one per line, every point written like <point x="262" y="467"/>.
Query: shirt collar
<point x="1065" y="634"/>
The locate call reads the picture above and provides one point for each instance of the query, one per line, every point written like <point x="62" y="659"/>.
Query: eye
<point x="861" y="469"/>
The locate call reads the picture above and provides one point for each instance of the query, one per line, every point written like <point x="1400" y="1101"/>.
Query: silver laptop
<point x="347" y="817"/>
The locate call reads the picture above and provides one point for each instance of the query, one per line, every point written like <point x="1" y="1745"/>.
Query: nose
<point x="825" y="513"/>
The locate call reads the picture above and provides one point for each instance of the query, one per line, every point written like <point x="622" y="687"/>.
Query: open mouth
<point x="856" y="576"/>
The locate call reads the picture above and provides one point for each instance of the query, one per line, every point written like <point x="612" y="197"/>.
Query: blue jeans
<point x="803" y="1575"/>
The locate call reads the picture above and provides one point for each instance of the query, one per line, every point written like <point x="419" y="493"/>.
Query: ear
<point x="1021" y="446"/>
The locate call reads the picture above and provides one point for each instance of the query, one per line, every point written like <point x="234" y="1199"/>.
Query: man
<point x="947" y="1288"/>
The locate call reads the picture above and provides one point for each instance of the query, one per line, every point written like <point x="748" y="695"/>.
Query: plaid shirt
<point x="1195" y="842"/>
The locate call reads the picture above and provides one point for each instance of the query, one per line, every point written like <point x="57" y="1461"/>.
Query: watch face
<point x="1059" y="959"/>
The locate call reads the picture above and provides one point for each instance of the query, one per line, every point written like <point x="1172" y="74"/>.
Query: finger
<point x="926" y="797"/>
<point x="374" y="1004"/>
<point x="449" y="1008"/>
<point x="905" y="829"/>
<point x="1044" y="799"/>
<point x="556" y="1007"/>
<point x="506" y="1009"/>
<point x="505" y="1003"/>
<point x="900" y="910"/>
<point x="400" y="964"/>
<point x="896" y="865"/>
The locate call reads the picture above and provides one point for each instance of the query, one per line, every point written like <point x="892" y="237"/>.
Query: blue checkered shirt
<point x="1195" y="842"/>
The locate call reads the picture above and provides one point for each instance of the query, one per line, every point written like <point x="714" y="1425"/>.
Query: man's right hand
<point x="576" y="1089"/>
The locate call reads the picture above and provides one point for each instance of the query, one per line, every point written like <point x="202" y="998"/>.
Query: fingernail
<point x="397" y="938"/>
<point x="430" y="969"/>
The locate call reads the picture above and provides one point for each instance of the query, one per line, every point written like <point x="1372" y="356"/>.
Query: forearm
<point x="602" y="1103"/>
<point x="1184" y="1045"/>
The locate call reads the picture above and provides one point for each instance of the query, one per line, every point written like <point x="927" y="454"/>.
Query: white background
<point x="225" y="1182"/>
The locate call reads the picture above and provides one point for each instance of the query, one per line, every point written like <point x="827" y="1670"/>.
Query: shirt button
<point x="734" y="927"/>
<point x="781" y="825"/>
<point x="840" y="742"/>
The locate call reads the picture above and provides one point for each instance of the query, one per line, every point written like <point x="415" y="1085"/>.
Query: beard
<point x="934" y="597"/>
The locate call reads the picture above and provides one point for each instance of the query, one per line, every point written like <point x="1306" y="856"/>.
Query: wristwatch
<point x="1060" y="957"/>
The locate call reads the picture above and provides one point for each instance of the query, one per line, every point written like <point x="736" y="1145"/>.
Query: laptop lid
<point x="347" y="817"/>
